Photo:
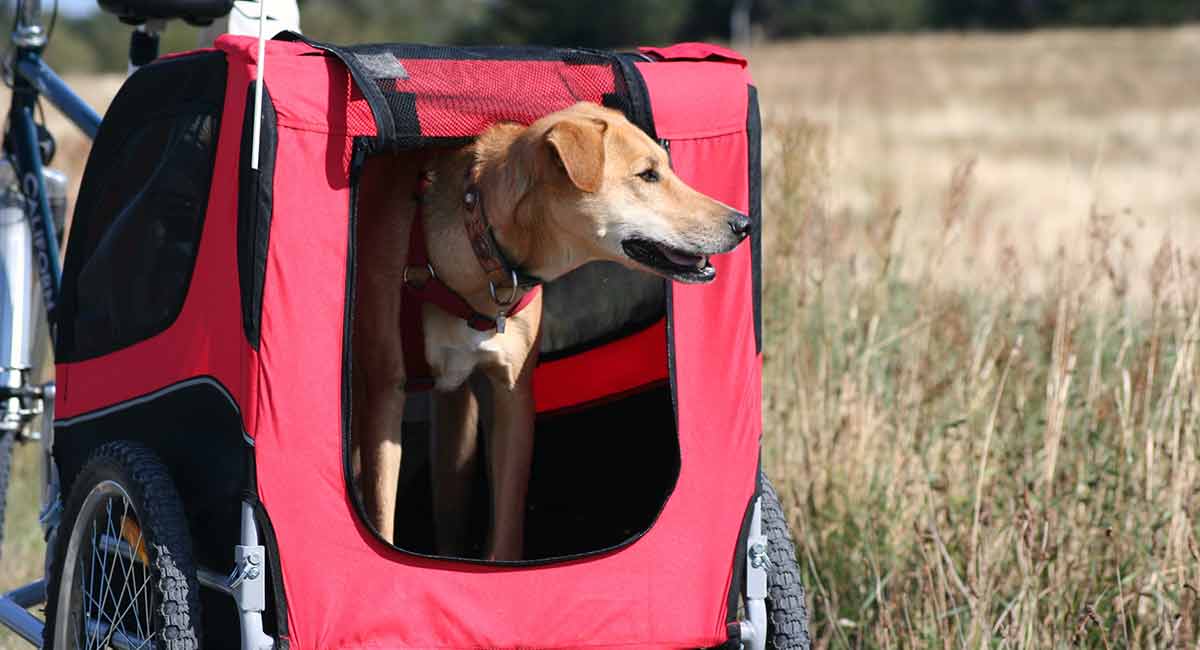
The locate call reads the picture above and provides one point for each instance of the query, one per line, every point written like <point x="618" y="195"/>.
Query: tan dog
<point x="578" y="185"/>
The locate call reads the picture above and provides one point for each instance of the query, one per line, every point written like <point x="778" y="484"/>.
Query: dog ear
<point x="578" y="145"/>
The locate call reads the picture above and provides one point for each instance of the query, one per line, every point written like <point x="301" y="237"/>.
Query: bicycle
<point x="32" y="227"/>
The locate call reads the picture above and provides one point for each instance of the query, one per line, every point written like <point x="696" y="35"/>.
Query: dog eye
<point x="650" y="175"/>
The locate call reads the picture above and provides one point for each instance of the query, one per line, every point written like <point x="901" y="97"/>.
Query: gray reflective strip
<point x="382" y="66"/>
<point x="149" y="397"/>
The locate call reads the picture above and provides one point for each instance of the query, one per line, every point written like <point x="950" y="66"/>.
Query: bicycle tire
<point x="132" y="475"/>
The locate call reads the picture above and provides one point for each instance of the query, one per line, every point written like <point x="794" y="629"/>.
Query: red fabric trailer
<point x="237" y="352"/>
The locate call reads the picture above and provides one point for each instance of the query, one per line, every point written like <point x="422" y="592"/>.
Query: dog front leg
<point x="511" y="452"/>
<point x="453" y="450"/>
<point x="381" y="455"/>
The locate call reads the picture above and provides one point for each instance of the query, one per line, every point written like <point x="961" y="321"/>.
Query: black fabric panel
<point x="140" y="211"/>
<point x="588" y="492"/>
<point x="754" y="151"/>
<point x="255" y="205"/>
<point x="196" y="430"/>
<point x="595" y="304"/>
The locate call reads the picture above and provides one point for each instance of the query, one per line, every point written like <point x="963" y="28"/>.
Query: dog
<point x="519" y="205"/>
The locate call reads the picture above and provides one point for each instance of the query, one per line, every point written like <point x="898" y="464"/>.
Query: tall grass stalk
<point x="977" y="468"/>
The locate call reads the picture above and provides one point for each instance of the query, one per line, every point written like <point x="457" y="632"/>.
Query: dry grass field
<point x="982" y="322"/>
<point x="983" y="317"/>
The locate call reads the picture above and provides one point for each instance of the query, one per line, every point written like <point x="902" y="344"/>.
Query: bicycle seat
<point x="195" y="12"/>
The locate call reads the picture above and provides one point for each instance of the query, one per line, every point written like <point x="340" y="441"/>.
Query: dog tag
<point x="500" y="323"/>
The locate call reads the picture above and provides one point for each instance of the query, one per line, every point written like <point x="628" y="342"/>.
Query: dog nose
<point x="740" y="224"/>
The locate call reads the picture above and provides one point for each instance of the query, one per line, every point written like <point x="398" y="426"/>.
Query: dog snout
<point x="740" y="225"/>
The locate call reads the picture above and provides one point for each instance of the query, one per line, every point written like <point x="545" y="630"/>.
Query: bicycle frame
<point x="29" y="245"/>
<point x="32" y="230"/>
<point x="32" y="79"/>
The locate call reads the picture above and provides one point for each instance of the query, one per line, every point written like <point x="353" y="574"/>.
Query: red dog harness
<point x="422" y="285"/>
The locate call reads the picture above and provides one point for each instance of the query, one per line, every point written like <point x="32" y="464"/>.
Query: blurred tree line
<point x="99" y="42"/>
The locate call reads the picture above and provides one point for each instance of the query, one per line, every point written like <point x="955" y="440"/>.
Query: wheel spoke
<point x="111" y="569"/>
<point x="81" y="632"/>
<point x="111" y="603"/>
<point x="131" y="560"/>
<point x="109" y="576"/>
<point x="144" y="632"/>
<point x="133" y="599"/>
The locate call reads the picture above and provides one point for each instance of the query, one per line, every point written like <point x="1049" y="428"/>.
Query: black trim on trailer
<point x="359" y="155"/>
<point x="567" y="55"/>
<point x="146" y="397"/>
<point x="255" y="206"/>
<point x="639" y="94"/>
<point x="754" y="153"/>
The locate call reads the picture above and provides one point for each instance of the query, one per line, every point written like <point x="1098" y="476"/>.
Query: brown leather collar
<point x="505" y="278"/>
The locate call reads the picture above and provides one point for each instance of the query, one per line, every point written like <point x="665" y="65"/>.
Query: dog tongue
<point x="682" y="259"/>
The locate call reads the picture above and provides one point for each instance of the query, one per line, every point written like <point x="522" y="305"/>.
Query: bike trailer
<point x="206" y="309"/>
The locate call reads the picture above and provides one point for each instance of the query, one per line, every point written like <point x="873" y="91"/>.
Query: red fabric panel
<point x="312" y="90"/>
<point x="667" y="589"/>
<point x="611" y="369"/>
<point x="717" y="370"/>
<point x="687" y="85"/>
<point x="695" y="52"/>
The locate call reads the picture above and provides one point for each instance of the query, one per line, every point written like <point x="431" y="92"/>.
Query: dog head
<point x="585" y="184"/>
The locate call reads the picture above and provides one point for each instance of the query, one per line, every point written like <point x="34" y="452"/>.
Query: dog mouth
<point x="670" y="262"/>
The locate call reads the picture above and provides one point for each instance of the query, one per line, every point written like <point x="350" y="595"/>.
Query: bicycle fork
<point x="18" y="309"/>
<point x="22" y="326"/>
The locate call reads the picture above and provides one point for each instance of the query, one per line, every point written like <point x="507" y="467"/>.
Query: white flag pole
<point x="258" y="82"/>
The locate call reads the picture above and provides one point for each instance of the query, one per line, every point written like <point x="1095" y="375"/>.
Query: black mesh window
<point x="141" y="207"/>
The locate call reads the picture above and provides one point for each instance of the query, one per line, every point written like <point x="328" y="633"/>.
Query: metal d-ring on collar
<point x="512" y="292"/>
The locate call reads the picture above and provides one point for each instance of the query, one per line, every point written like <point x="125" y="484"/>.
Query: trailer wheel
<point x="123" y="574"/>
<point x="787" y="611"/>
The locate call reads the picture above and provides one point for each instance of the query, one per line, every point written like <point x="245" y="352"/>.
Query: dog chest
<point x="455" y="352"/>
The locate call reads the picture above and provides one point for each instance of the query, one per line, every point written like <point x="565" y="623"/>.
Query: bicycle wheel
<point x="123" y="576"/>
